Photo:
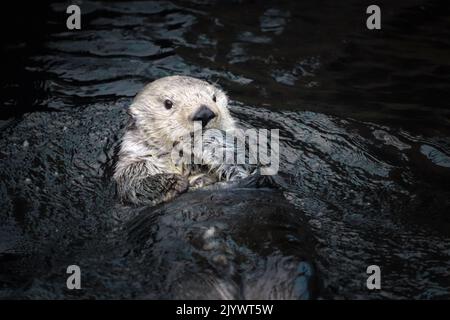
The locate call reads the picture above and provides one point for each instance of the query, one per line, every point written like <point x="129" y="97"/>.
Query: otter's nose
<point x="203" y="114"/>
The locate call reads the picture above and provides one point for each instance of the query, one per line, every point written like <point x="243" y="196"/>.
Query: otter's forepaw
<point x="155" y="189"/>
<point x="176" y="185"/>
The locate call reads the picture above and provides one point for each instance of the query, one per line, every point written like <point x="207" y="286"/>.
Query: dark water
<point x="363" y="119"/>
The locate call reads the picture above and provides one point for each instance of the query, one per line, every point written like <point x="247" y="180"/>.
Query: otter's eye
<point x="168" y="104"/>
<point x="214" y="98"/>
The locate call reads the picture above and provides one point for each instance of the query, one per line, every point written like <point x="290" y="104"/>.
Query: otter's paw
<point x="175" y="185"/>
<point x="200" y="181"/>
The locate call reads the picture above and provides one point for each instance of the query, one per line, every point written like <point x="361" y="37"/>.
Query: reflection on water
<point x="362" y="118"/>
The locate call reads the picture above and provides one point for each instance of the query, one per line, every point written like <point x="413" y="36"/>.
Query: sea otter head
<point x="167" y="108"/>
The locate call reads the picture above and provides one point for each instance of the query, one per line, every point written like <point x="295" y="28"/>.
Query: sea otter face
<point x="168" y="107"/>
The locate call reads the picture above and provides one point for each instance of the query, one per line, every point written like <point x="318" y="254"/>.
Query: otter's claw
<point x="176" y="185"/>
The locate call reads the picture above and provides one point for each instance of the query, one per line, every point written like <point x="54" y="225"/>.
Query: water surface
<point x="363" y="119"/>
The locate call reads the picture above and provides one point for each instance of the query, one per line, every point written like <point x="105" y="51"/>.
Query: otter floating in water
<point x="162" y="118"/>
<point x="234" y="239"/>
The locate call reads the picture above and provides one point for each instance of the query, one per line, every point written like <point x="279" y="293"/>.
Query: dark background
<point x="397" y="75"/>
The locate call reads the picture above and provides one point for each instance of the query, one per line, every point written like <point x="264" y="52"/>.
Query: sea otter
<point x="164" y="117"/>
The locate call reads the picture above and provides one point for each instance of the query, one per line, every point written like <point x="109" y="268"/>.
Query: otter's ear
<point x="131" y="111"/>
<point x="131" y="123"/>
<point x="221" y="98"/>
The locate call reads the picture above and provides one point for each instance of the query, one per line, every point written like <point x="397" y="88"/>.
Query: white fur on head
<point x="187" y="95"/>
